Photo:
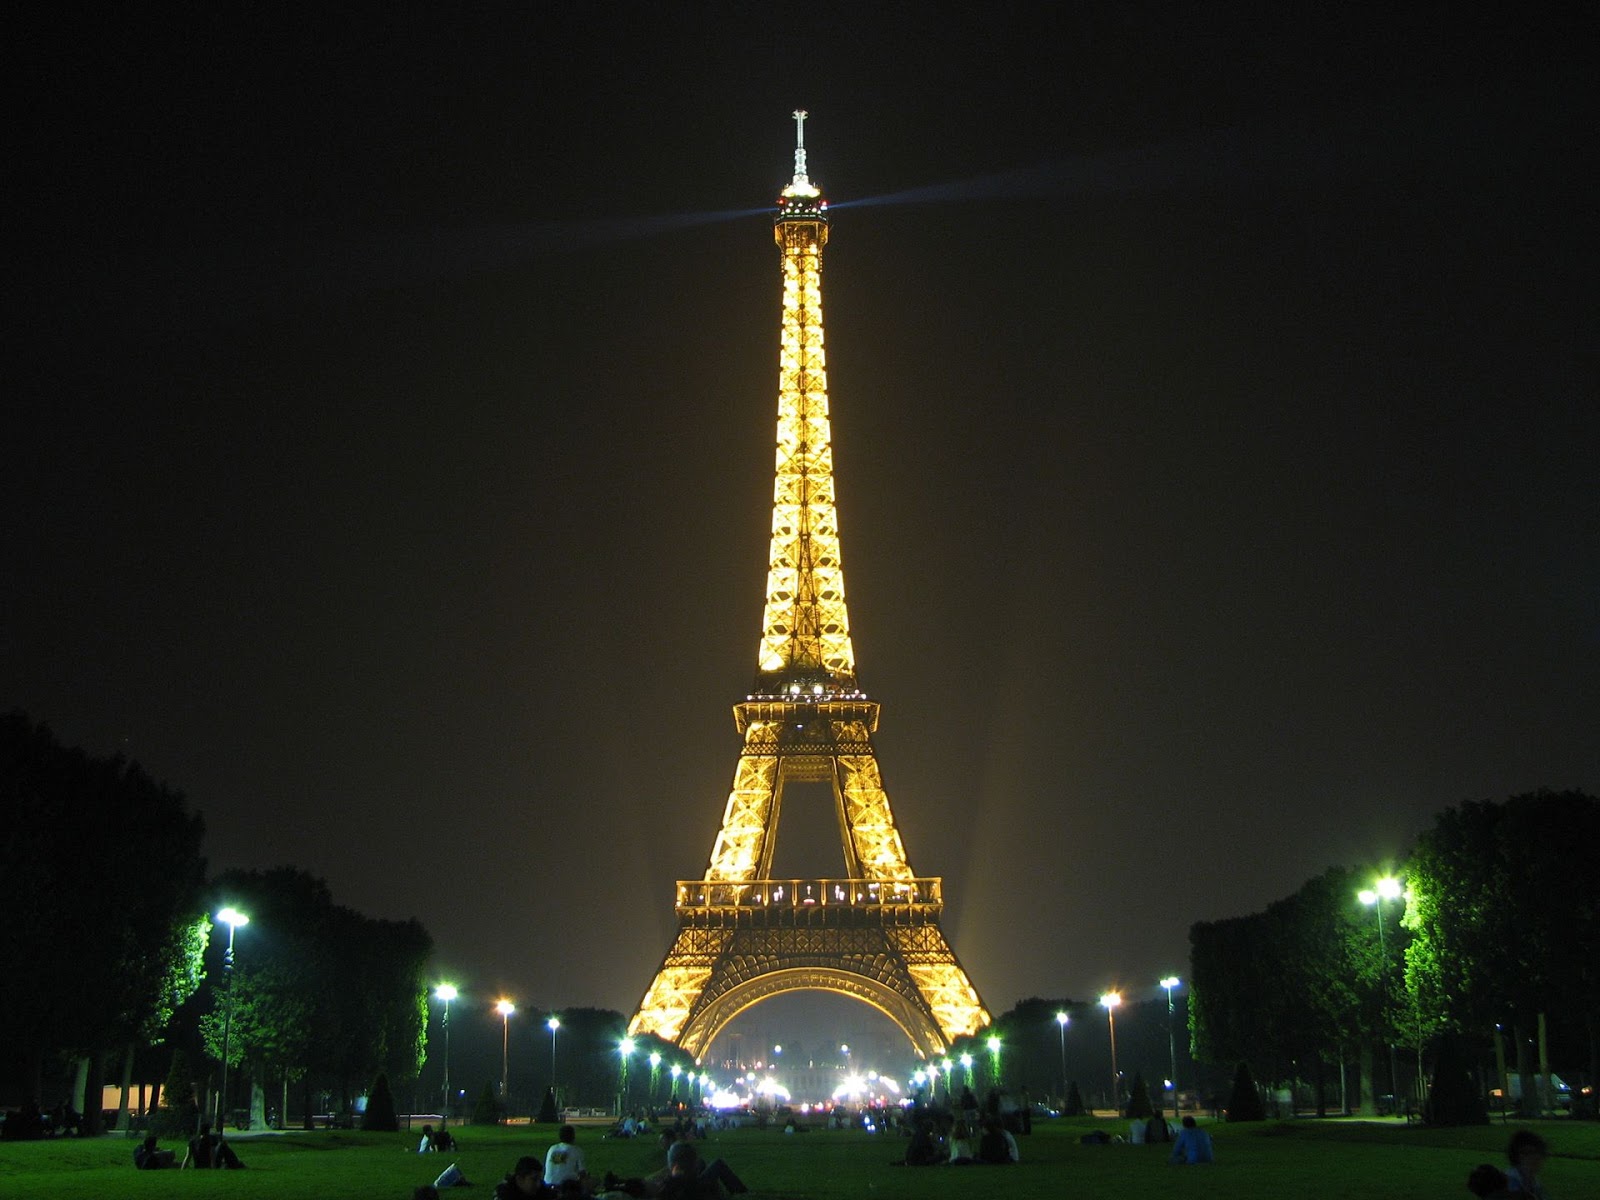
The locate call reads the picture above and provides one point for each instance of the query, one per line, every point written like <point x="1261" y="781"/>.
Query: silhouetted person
<point x="1527" y="1153"/>
<point x="1192" y="1145"/>
<point x="148" y="1157"/>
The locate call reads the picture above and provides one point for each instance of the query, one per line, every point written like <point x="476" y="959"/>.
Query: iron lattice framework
<point x="744" y="936"/>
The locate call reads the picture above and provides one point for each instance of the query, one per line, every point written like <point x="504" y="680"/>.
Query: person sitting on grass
<point x="707" y="1178"/>
<point x="564" y="1161"/>
<point x="525" y="1179"/>
<point x="146" y="1156"/>
<point x="923" y="1149"/>
<point x="961" y="1154"/>
<point x="1192" y="1145"/>
<point x="207" y="1149"/>
<point x="997" y="1147"/>
<point x="1527" y="1153"/>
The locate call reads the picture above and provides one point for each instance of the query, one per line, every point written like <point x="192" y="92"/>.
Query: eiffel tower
<point x="744" y="936"/>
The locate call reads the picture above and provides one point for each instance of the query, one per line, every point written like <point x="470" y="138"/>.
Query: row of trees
<point x="106" y="941"/>
<point x="325" y="998"/>
<point x="1497" y="933"/>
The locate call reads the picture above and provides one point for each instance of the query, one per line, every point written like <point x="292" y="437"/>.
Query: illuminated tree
<point x="76" y="825"/>
<point x="1501" y="935"/>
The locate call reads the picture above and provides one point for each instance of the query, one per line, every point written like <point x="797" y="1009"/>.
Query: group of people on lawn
<point x="563" y="1174"/>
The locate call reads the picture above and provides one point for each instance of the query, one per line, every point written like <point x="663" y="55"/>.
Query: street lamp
<point x="624" y="1051"/>
<point x="1062" y="1020"/>
<point x="1110" y="1000"/>
<point x="553" y="1024"/>
<point x="966" y="1061"/>
<point x="994" y="1061"/>
<point x="232" y="918"/>
<point x="1388" y="889"/>
<point x="677" y="1070"/>
<point x="505" y="1008"/>
<point x="1170" y="982"/>
<point x="446" y="992"/>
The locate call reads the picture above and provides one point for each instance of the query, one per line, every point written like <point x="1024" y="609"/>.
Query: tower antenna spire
<point x="800" y="148"/>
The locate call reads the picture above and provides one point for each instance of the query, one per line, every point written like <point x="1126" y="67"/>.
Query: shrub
<point x="547" y="1109"/>
<point x="1074" y="1106"/>
<point x="487" y="1109"/>
<point x="178" y="1114"/>
<point x="380" y="1115"/>
<point x="1244" y="1103"/>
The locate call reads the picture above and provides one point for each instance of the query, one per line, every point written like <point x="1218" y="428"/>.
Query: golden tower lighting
<point x="874" y="932"/>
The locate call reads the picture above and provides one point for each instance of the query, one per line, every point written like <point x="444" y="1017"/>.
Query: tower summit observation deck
<point x="872" y="933"/>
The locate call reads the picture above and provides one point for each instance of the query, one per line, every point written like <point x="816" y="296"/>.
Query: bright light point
<point x="966" y="1061"/>
<point x="1367" y="896"/>
<point x="232" y="916"/>
<point x="655" y="1058"/>
<point x="1110" y="1000"/>
<point x="625" y="1045"/>
<point x="553" y="1024"/>
<point x="1389" y="888"/>
<point x="505" y="1008"/>
<point x="1171" y="981"/>
<point x="446" y="992"/>
<point x="1062" y="1019"/>
<point x="676" y="1070"/>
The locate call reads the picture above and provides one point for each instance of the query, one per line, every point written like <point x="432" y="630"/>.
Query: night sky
<point x="388" y="448"/>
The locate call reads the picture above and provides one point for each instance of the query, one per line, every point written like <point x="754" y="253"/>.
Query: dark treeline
<point x="112" y="960"/>
<point x="1491" y="952"/>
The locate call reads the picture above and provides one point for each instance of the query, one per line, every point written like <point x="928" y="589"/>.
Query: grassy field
<point x="1302" y="1160"/>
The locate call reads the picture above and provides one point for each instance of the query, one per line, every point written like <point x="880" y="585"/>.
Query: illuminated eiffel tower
<point x="873" y="934"/>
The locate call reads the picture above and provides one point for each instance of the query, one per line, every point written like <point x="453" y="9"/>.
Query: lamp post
<point x="505" y="1008"/>
<point x="994" y="1061"/>
<point x="553" y="1024"/>
<point x="624" y="1052"/>
<point x="966" y="1062"/>
<point x="1061" y="1021"/>
<point x="1170" y="982"/>
<point x="1388" y="889"/>
<point x="677" y="1070"/>
<point x="232" y="918"/>
<point x="655" y="1074"/>
<point x="446" y="992"/>
<point x="1110" y="1000"/>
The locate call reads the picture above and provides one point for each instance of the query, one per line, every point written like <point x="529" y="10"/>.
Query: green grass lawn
<point x="1339" y="1160"/>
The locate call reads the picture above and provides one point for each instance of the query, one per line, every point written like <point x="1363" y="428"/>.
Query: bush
<point x="1244" y="1104"/>
<point x="487" y="1110"/>
<point x="1139" y="1100"/>
<point x="178" y="1114"/>
<point x="1074" y="1107"/>
<point x="380" y="1115"/>
<point x="547" y="1109"/>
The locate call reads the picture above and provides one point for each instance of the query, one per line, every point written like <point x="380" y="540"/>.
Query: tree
<point x="320" y="992"/>
<point x="75" y="824"/>
<point x="487" y="1110"/>
<point x="380" y="1116"/>
<point x="1074" y="1101"/>
<point x="1500" y="936"/>
<point x="1244" y="1102"/>
<point x="1455" y="1097"/>
<point x="1139" y="1098"/>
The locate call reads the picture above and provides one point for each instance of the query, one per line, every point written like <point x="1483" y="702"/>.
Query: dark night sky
<point x="388" y="468"/>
